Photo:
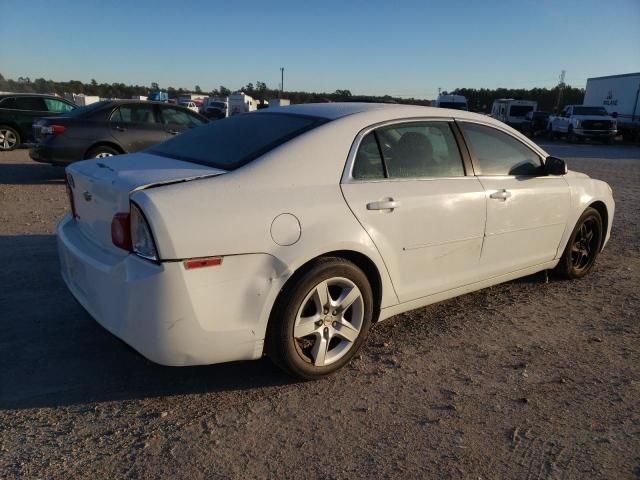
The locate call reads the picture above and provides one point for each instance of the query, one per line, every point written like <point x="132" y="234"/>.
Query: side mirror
<point x="555" y="166"/>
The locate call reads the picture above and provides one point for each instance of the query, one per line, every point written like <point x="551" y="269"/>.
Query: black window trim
<point x="347" y="174"/>
<point x="474" y="160"/>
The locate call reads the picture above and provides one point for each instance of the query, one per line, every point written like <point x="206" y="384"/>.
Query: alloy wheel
<point x="8" y="139"/>
<point x="585" y="245"/>
<point x="103" y="155"/>
<point x="329" y="321"/>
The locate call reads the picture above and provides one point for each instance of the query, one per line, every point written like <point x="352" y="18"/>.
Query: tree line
<point x="479" y="100"/>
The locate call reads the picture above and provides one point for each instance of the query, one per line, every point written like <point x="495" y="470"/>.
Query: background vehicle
<point x="620" y="96"/>
<point x="577" y="122"/>
<point x="109" y="128"/>
<point x="241" y="103"/>
<point x="158" y="96"/>
<point x="18" y="111"/>
<point x="457" y="102"/>
<point x="230" y="229"/>
<point x="215" y="110"/>
<point x="189" y="104"/>
<point x="512" y="112"/>
<point x="535" y="123"/>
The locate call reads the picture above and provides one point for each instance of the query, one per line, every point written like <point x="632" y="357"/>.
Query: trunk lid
<point x="101" y="188"/>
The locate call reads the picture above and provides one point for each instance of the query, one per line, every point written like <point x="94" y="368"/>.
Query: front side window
<point x="176" y="116"/>
<point x="134" y="114"/>
<point x="57" y="106"/>
<point x="497" y="153"/>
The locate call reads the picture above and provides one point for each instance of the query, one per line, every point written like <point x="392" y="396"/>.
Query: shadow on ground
<point x="52" y="353"/>
<point x="30" y="174"/>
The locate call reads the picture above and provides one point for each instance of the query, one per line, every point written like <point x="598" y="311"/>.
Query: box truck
<point x="620" y="96"/>
<point x="241" y="103"/>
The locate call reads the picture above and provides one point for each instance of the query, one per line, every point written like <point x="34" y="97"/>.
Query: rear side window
<point x="134" y="114"/>
<point x="8" y="103"/>
<point x="30" y="103"/>
<point x="368" y="163"/>
<point x="497" y="153"/>
<point x="232" y="142"/>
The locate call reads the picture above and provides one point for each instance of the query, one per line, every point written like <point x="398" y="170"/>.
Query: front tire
<point x="9" y="138"/>
<point x="583" y="246"/>
<point x="321" y="319"/>
<point x="102" y="151"/>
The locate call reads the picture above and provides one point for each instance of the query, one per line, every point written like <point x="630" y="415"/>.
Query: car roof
<point x="23" y="94"/>
<point x="374" y="112"/>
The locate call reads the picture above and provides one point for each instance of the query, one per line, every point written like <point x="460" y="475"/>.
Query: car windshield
<point x="520" y="110"/>
<point x="81" y="111"/>
<point x="454" y="105"/>
<point x="217" y="104"/>
<point x="233" y="142"/>
<point x="598" y="111"/>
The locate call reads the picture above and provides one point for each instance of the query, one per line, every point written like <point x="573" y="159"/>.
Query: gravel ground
<point x="523" y="380"/>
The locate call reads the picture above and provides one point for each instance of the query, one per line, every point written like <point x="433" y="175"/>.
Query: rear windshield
<point x="520" y="110"/>
<point x="598" y="111"/>
<point x="233" y="142"/>
<point x="82" y="111"/>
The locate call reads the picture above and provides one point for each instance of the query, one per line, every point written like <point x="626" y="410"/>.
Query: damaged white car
<point x="290" y="231"/>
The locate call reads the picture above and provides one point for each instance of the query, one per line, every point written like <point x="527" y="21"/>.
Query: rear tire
<point x="320" y="319"/>
<point x="583" y="246"/>
<point x="9" y="138"/>
<point x="102" y="151"/>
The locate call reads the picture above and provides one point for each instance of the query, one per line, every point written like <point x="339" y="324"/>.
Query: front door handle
<point x="501" y="195"/>
<point x="384" y="204"/>
<point x="119" y="128"/>
<point x="172" y="132"/>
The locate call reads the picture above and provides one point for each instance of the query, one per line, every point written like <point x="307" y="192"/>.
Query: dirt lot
<point x="524" y="380"/>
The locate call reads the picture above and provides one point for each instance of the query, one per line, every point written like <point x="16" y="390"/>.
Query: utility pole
<point x="560" y="91"/>
<point x="281" y="81"/>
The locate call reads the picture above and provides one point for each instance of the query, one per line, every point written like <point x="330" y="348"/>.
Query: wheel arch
<point x="104" y="143"/>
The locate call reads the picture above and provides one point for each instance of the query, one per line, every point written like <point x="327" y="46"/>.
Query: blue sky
<point x="401" y="48"/>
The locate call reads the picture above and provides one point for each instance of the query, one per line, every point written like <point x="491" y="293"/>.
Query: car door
<point x="176" y="120"/>
<point x="408" y="186"/>
<point x="135" y="127"/>
<point x="527" y="209"/>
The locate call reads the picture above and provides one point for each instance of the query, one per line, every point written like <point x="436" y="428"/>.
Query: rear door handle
<point x="119" y="128"/>
<point x="385" y="204"/>
<point x="500" y="195"/>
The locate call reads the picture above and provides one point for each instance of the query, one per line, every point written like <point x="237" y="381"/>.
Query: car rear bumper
<point x="171" y="315"/>
<point x="56" y="154"/>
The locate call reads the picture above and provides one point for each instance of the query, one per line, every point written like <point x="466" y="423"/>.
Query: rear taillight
<point x="52" y="129"/>
<point x="141" y="237"/>
<point x="121" y="231"/>
<point x="131" y="232"/>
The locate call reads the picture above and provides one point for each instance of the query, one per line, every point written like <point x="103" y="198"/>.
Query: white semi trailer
<point x="620" y="96"/>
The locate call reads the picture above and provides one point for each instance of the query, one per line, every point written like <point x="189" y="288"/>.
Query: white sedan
<point x="289" y="232"/>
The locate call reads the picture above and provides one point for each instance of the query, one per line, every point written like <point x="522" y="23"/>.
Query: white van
<point x="511" y="111"/>
<point x="457" y="102"/>
<point x="241" y="103"/>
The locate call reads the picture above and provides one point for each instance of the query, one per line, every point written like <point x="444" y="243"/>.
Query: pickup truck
<point x="577" y="122"/>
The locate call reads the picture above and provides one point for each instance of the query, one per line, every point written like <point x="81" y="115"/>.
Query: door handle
<point x="172" y="132"/>
<point x="384" y="204"/>
<point x="500" y="195"/>
<point x="119" y="128"/>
